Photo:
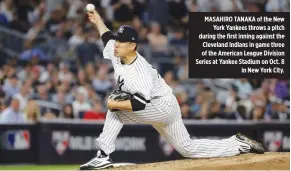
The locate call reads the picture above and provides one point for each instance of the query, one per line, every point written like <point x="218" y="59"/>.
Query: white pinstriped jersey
<point x="139" y="77"/>
<point x="162" y="113"/>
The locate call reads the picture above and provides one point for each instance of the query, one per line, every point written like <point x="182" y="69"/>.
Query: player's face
<point x="121" y="49"/>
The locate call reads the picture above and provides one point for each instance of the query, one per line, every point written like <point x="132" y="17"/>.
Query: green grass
<point x="39" y="167"/>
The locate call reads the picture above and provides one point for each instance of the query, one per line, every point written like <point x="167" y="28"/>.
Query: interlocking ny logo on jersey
<point x="17" y="140"/>
<point x="60" y="140"/>
<point x="120" y="82"/>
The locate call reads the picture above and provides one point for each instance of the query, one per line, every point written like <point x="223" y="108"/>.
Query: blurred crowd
<point x="71" y="80"/>
<point x="55" y="91"/>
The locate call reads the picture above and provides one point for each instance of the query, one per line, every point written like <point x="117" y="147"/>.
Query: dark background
<point x="198" y="26"/>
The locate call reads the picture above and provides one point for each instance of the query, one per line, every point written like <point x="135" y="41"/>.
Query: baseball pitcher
<point x="144" y="97"/>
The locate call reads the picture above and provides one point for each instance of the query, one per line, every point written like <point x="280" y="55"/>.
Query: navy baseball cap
<point x="126" y="34"/>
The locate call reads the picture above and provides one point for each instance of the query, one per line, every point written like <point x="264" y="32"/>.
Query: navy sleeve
<point x="106" y="37"/>
<point x="138" y="102"/>
<point x="137" y="105"/>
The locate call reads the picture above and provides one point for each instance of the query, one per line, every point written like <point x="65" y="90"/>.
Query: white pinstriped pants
<point x="165" y="116"/>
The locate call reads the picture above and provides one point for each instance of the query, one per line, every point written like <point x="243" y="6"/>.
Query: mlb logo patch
<point x="17" y="140"/>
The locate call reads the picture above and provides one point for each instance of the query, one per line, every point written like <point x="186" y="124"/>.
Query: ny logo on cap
<point x="121" y="30"/>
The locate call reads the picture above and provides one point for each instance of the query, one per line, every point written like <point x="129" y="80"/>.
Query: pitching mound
<point x="267" y="161"/>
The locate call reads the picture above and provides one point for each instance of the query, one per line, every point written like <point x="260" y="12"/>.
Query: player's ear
<point x="133" y="46"/>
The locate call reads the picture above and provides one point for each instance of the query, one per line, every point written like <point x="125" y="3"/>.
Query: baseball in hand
<point x="90" y="7"/>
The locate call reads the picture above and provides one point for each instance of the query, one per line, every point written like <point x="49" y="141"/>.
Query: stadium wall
<point x="73" y="142"/>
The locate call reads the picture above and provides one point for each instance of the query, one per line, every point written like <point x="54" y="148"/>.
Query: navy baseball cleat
<point x="249" y="145"/>
<point x="101" y="161"/>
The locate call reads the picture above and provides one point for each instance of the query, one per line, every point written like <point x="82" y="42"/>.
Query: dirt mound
<point x="267" y="161"/>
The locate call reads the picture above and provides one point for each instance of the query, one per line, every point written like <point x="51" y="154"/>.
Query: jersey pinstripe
<point x="163" y="112"/>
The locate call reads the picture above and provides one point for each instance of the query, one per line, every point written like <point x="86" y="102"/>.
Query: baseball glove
<point x="119" y="95"/>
